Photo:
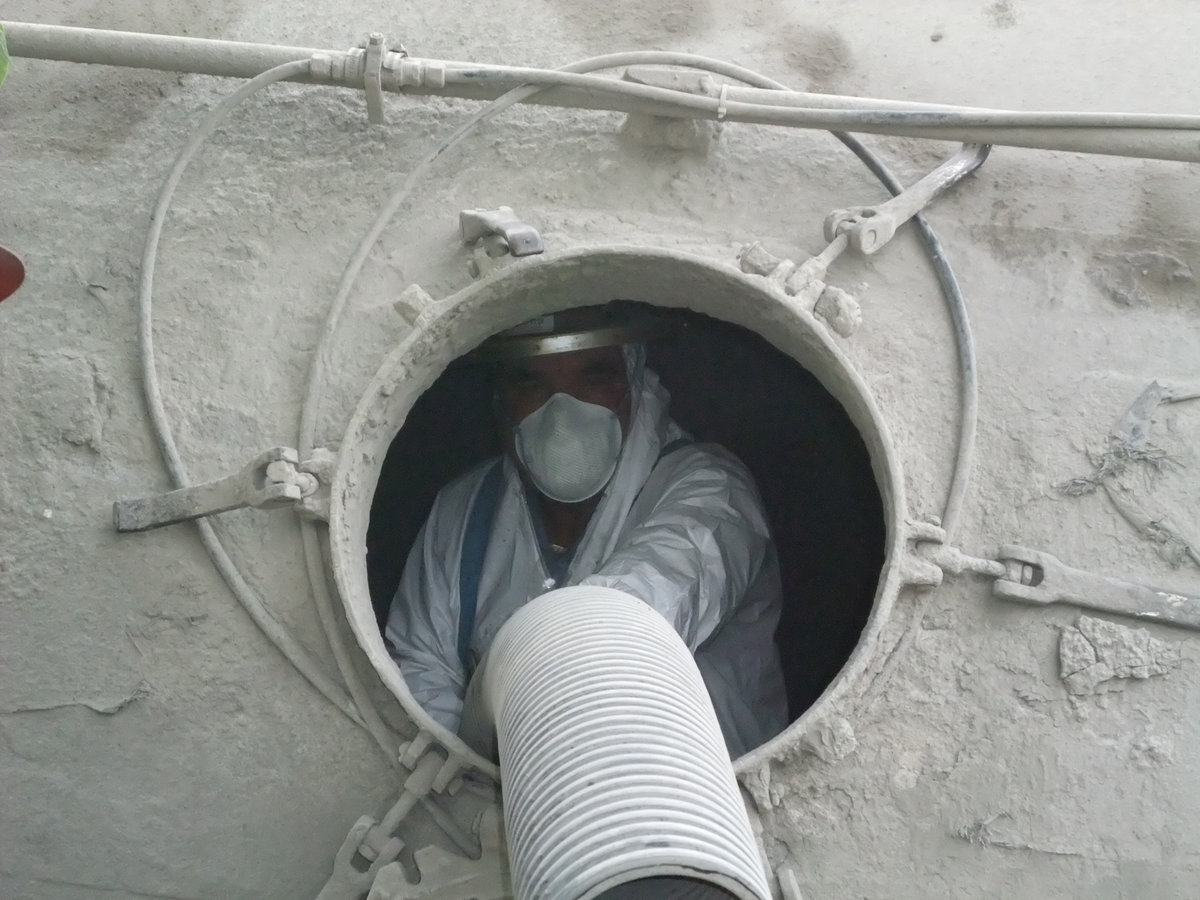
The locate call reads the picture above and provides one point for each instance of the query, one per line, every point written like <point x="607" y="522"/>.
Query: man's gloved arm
<point x="696" y="553"/>
<point x="422" y="629"/>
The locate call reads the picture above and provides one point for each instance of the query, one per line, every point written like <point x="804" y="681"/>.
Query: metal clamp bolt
<point x="1040" y="579"/>
<point x="1032" y="576"/>
<point x="870" y="227"/>
<point x="274" y="478"/>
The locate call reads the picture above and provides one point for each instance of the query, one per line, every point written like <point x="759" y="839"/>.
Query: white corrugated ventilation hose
<point x="616" y="779"/>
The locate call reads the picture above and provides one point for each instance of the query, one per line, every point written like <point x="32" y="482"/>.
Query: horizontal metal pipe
<point x="1154" y="137"/>
<point x="201" y="56"/>
<point x="1142" y="143"/>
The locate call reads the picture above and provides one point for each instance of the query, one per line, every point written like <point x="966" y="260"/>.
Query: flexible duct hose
<point x="617" y="782"/>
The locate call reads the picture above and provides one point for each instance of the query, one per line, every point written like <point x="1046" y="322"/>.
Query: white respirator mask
<point x="570" y="448"/>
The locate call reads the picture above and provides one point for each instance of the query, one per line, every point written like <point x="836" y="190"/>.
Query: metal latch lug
<point x="506" y="232"/>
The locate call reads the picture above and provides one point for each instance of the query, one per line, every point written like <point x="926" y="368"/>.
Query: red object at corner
<point x="12" y="272"/>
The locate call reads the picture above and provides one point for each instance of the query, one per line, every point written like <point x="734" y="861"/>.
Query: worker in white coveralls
<point x="596" y="485"/>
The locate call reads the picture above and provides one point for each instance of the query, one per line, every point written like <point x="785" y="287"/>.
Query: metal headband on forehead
<point x="499" y="349"/>
<point x="510" y="345"/>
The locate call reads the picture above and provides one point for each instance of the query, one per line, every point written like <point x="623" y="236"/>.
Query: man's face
<point x="594" y="376"/>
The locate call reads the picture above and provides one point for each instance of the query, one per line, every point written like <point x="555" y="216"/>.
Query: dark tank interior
<point x="728" y="386"/>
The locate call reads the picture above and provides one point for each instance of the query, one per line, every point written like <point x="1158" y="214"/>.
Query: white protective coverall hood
<point x="685" y="533"/>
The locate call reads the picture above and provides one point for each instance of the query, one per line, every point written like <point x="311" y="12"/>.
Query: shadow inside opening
<point x="728" y="386"/>
<point x="666" y="888"/>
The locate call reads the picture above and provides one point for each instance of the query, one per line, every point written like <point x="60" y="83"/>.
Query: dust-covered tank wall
<point x="154" y="743"/>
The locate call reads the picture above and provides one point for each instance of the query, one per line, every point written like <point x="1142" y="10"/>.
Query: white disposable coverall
<point x="685" y="533"/>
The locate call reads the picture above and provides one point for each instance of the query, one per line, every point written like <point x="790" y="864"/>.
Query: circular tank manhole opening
<point x="748" y="372"/>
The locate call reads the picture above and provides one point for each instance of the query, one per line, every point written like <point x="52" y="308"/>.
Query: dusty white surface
<point x="153" y="744"/>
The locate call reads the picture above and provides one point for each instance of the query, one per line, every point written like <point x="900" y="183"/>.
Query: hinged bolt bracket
<point x="275" y="477"/>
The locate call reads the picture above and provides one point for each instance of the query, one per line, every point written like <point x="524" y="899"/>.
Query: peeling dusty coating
<point x="1093" y="652"/>
<point x="153" y="744"/>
